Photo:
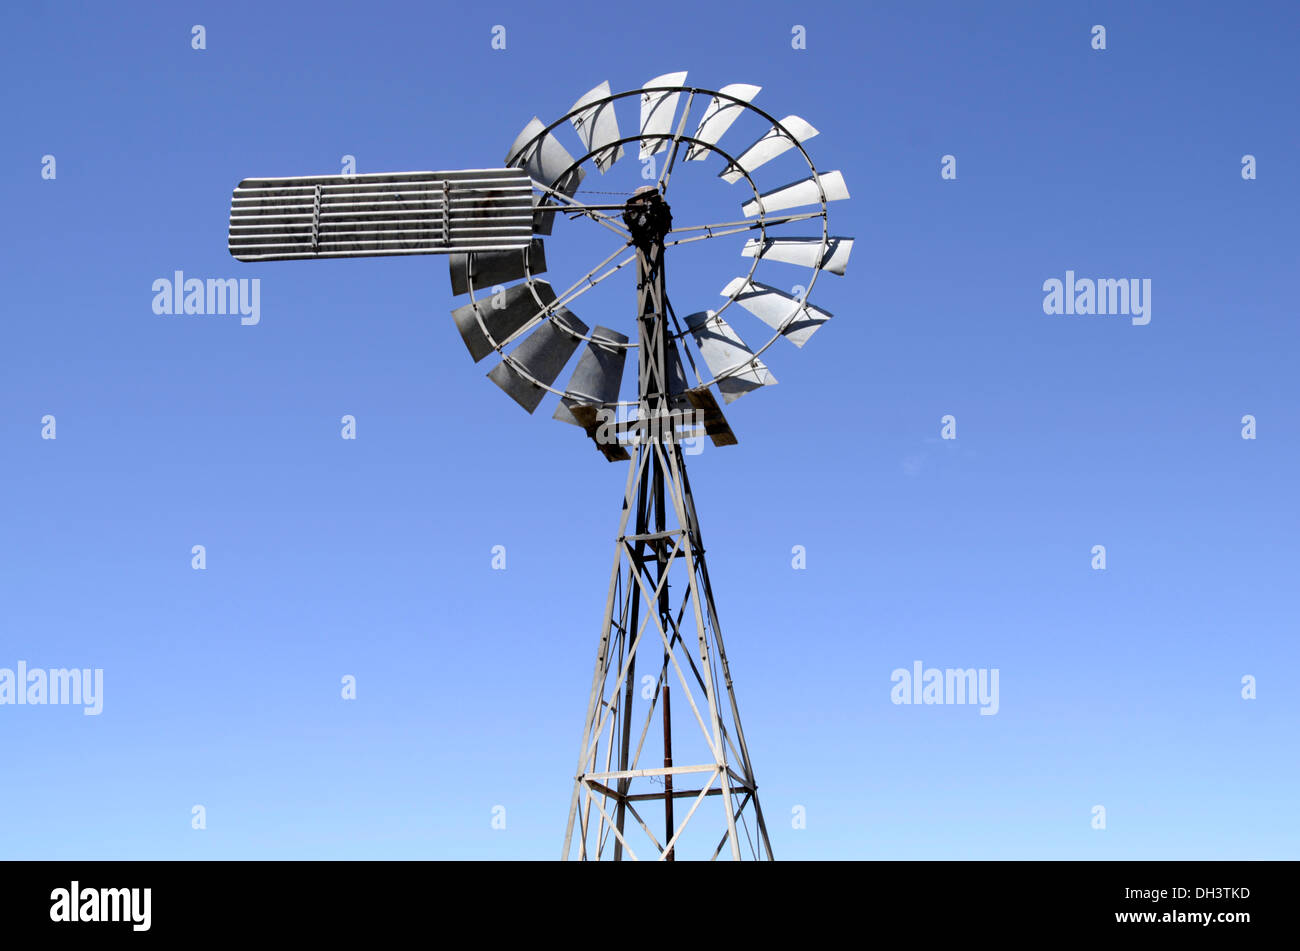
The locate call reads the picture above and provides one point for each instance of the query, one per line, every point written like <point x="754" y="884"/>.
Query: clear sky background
<point x="372" y="557"/>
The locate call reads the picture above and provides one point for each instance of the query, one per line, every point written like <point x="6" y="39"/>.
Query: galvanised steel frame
<point x="665" y="535"/>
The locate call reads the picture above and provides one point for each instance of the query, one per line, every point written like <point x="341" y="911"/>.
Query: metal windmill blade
<point x="734" y="365"/>
<point x="594" y="388"/>
<point x="657" y="111"/>
<point x="549" y="164"/>
<point x="828" y="254"/>
<point x="789" y="316"/>
<point x="488" y="268"/>
<point x="598" y="375"/>
<point x="597" y="125"/>
<point x="492" y="322"/>
<point x="727" y="106"/>
<point x="777" y="141"/>
<point x="807" y="191"/>
<point x="539" y="358"/>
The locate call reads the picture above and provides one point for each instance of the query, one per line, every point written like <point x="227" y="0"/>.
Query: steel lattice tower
<point x="678" y="637"/>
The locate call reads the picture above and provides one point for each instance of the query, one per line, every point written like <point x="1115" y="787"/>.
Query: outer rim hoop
<point x="674" y="139"/>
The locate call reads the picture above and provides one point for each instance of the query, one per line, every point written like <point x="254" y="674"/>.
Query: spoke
<point x="722" y="229"/>
<point x="681" y="335"/>
<point x="677" y="141"/>
<point x="587" y="283"/>
<point x="579" y="287"/>
<point x="596" y="216"/>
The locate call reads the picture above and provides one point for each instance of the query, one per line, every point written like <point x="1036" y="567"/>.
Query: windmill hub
<point x="647" y="216"/>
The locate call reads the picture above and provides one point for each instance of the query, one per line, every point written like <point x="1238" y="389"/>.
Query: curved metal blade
<point x="545" y="161"/>
<point x="599" y="373"/>
<point x="723" y="350"/>
<point x="774" y="143"/>
<point x="719" y="117"/>
<point x="798" y="193"/>
<point x="503" y="316"/>
<point x="775" y="308"/>
<point x="657" y="112"/>
<point x="542" y="354"/>
<point x="832" y="256"/>
<point x="488" y="268"/>
<point x="597" y="127"/>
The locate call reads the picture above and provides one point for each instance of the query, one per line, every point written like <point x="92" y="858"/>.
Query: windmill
<point x="660" y="648"/>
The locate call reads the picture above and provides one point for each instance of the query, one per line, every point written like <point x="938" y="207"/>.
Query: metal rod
<point x="564" y="199"/>
<point x="661" y="523"/>
<point x="753" y="222"/>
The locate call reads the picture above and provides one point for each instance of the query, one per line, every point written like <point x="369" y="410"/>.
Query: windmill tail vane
<point x="662" y="730"/>
<point x="284" y="219"/>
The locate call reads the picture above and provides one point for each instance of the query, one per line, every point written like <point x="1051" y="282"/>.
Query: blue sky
<point x="372" y="557"/>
